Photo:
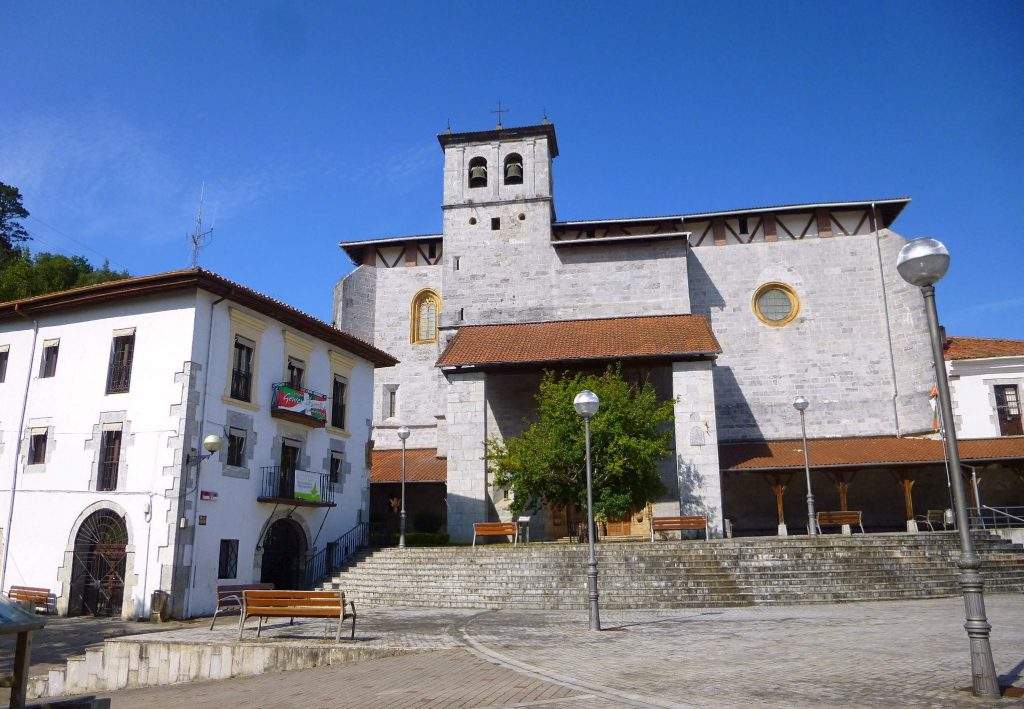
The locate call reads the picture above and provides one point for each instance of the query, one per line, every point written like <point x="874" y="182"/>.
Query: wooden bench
<point x="296" y="604"/>
<point x="230" y="597"/>
<point x="839" y="519"/>
<point x="496" y="529"/>
<point x="38" y="597"/>
<point x="677" y="524"/>
<point x="933" y="518"/>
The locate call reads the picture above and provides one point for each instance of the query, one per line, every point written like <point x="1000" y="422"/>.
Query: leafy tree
<point x="23" y="275"/>
<point x="629" y="438"/>
<point x="11" y="214"/>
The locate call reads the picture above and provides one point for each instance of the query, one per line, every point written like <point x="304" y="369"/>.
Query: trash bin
<point x="159" y="606"/>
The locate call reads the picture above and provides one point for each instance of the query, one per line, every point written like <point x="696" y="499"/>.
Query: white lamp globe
<point x="923" y="262"/>
<point x="213" y="443"/>
<point x="800" y="403"/>
<point x="586" y="403"/>
<point x="403" y="432"/>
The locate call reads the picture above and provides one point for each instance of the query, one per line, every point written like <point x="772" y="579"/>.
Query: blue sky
<point x="314" y="123"/>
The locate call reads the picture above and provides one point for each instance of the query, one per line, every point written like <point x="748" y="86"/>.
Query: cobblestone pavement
<point x="903" y="653"/>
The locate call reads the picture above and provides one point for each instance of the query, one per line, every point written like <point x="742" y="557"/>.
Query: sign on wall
<point x="299" y="400"/>
<point x="307" y="486"/>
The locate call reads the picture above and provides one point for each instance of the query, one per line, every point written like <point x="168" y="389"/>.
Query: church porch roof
<point x="421" y="466"/>
<point x="958" y="348"/>
<point x="645" y="337"/>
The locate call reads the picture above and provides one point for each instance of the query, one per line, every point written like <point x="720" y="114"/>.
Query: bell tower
<point x="497" y="213"/>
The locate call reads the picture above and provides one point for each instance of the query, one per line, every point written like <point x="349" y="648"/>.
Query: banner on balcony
<point x="307" y="486"/>
<point x="299" y="400"/>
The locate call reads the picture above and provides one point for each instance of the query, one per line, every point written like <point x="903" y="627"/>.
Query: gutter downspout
<point x="17" y="447"/>
<point x="199" y="462"/>
<point x="888" y="324"/>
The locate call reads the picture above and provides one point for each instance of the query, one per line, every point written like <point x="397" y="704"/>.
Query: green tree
<point x="23" y="275"/>
<point x="630" y="436"/>
<point x="11" y="213"/>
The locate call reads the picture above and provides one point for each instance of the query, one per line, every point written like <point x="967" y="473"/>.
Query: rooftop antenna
<point x="449" y="131"/>
<point x="499" y="112"/>
<point x="198" y="237"/>
<point x="545" y="118"/>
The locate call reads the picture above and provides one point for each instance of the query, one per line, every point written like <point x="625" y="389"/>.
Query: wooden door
<point x="1008" y="410"/>
<point x="619" y="527"/>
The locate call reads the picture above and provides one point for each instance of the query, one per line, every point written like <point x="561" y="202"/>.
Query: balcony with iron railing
<point x="241" y="385"/>
<point x="302" y="488"/>
<point x="299" y="405"/>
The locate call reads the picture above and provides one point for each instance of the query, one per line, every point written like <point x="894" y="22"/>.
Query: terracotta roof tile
<point x="982" y="347"/>
<point x="642" y="337"/>
<point x="421" y="466"/>
<point x="858" y="452"/>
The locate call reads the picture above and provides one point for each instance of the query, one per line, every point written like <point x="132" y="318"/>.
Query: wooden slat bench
<point x="296" y="604"/>
<point x="933" y="518"/>
<point x="839" y="519"/>
<point x="676" y="524"/>
<point x="496" y="529"/>
<point x="230" y="597"/>
<point x="38" y="597"/>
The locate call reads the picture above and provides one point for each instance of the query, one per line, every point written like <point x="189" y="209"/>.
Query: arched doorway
<point x="284" y="555"/>
<point x="98" y="565"/>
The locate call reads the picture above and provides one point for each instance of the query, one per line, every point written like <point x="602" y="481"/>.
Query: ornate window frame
<point x="794" y="302"/>
<point x="414" y="316"/>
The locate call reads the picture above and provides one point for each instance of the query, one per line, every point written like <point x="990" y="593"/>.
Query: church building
<point x="731" y="314"/>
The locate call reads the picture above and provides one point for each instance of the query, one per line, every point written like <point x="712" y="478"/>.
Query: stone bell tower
<point x="498" y="210"/>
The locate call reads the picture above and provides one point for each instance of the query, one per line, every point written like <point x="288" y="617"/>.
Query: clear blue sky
<point x="314" y="123"/>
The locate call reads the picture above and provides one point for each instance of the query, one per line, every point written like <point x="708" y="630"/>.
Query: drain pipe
<point x="199" y="462"/>
<point x="888" y="324"/>
<point x="17" y="447"/>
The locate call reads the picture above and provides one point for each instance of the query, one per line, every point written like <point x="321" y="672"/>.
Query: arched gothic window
<point x="426" y="313"/>
<point x="478" y="172"/>
<point x="514" y="169"/>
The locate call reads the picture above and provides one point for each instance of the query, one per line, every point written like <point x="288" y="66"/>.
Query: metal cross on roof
<point x="499" y="111"/>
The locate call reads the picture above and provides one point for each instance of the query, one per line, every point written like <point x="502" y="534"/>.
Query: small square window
<point x="227" y="566"/>
<point x="48" y="364"/>
<point x="37" y="448"/>
<point x="236" y="447"/>
<point x="495" y="223"/>
<point x="455" y="263"/>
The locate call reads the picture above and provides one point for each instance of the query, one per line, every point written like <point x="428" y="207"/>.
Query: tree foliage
<point x="629" y="439"/>
<point x="11" y="213"/>
<point x="23" y="274"/>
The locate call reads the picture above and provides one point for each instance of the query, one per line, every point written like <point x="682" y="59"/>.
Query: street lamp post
<point x="922" y="263"/>
<point x="586" y="404"/>
<point x="211" y="444"/>
<point x="800" y="404"/>
<point x="403" y="433"/>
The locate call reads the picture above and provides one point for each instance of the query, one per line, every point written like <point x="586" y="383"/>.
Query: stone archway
<point x="98" y="575"/>
<point x="283" y="559"/>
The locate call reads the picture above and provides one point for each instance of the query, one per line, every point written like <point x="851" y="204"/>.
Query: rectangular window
<point x="336" y="461"/>
<point x="37" y="447"/>
<point x="3" y="365"/>
<point x="48" y="363"/>
<point x="241" y="370"/>
<point x="236" y="447"/>
<point x="495" y="223"/>
<point x="296" y="369"/>
<point x="338" y="402"/>
<point x="1008" y="410"/>
<point x="289" y="462"/>
<point x="455" y="263"/>
<point x="227" y="566"/>
<point x="110" y="457"/>
<point x="432" y="250"/>
<point x="392" y="403"/>
<point x="119" y="373"/>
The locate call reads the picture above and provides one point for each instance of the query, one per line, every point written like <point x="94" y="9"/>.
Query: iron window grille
<point x="236" y="448"/>
<point x="48" y="365"/>
<point x="119" y="373"/>
<point x="227" y="566"/>
<point x="110" y="455"/>
<point x="241" y="372"/>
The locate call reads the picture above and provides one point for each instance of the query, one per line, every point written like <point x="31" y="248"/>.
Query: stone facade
<point x="857" y="348"/>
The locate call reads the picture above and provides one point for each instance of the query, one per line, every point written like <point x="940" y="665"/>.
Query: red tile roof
<point x="641" y="337"/>
<point x="861" y="452"/>
<point x="982" y="347"/>
<point x="421" y="466"/>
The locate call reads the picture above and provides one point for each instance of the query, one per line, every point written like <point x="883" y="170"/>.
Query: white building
<point x="986" y="379"/>
<point x="106" y="393"/>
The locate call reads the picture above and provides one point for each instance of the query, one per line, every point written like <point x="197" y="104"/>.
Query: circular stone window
<point x="776" y="304"/>
<point x="472" y="221"/>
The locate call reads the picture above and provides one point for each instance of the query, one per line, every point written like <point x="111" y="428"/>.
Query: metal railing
<point x="119" y="377"/>
<point x="241" y="385"/>
<point x="279" y="483"/>
<point x="333" y="557"/>
<point x="996" y="517"/>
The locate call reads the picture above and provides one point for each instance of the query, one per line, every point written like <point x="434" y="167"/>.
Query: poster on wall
<point x="298" y="400"/>
<point x="307" y="486"/>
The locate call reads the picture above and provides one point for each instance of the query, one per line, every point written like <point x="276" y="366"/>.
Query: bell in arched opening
<point x="477" y="172"/>
<point x="514" y="169"/>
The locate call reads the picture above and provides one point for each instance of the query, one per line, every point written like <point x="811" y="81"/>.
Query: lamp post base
<point x="783" y="531"/>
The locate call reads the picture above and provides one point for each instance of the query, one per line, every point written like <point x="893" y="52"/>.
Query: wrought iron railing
<point x="333" y="557"/>
<point x="119" y="378"/>
<point x="107" y="479"/>
<point x="241" y="385"/>
<point x="279" y="483"/>
<point x="996" y="517"/>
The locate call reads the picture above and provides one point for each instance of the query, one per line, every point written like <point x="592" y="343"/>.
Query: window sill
<point x="32" y="468"/>
<point x="339" y="432"/>
<point x="247" y="405"/>
<point x="233" y="471"/>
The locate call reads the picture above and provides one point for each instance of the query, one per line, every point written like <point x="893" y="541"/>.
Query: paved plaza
<point x="901" y="653"/>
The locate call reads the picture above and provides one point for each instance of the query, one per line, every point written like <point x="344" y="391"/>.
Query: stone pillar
<point x="700" y="481"/>
<point x="467" y="472"/>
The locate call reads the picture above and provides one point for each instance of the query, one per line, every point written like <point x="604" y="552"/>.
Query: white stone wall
<point x="696" y="435"/>
<point x="972" y="387"/>
<point x="836" y="353"/>
<point x="468" y="501"/>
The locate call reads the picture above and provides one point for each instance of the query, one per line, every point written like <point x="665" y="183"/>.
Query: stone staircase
<point x="673" y="574"/>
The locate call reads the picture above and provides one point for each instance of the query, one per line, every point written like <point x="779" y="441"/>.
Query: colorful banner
<point x="307" y="486"/>
<point x="299" y="400"/>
